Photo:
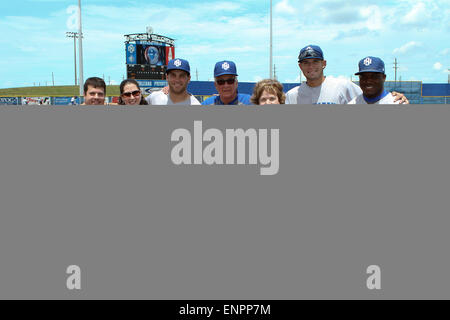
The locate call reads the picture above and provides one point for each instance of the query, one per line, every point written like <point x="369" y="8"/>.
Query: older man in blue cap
<point x="226" y="83"/>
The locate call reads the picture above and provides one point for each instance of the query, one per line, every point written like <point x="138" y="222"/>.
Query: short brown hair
<point x="96" y="83"/>
<point x="271" y="86"/>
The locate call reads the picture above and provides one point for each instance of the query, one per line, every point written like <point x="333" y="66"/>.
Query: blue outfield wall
<point x="436" y="90"/>
<point x="206" y="88"/>
<point x="415" y="91"/>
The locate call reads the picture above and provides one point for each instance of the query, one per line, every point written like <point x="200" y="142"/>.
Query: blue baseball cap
<point x="178" y="64"/>
<point x="310" y="52"/>
<point x="371" y="64"/>
<point x="225" y="67"/>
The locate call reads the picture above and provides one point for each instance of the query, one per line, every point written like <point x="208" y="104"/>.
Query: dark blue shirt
<point x="241" y="99"/>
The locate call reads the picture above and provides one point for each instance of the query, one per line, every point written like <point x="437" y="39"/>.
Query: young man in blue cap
<point x="226" y="83"/>
<point x="178" y="77"/>
<point x="320" y="89"/>
<point x="371" y="81"/>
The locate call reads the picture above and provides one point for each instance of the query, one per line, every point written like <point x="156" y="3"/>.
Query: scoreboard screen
<point x="149" y="53"/>
<point x="148" y="60"/>
<point x="144" y="72"/>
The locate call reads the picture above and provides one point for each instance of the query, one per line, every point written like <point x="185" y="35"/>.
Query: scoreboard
<point x="147" y="56"/>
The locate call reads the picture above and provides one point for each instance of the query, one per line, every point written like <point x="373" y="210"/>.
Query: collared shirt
<point x="241" y="99"/>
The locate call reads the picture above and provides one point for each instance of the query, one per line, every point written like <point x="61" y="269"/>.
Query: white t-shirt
<point x="160" y="98"/>
<point x="331" y="91"/>
<point x="389" y="99"/>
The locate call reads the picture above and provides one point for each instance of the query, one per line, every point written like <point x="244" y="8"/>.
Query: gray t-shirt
<point x="331" y="91"/>
<point x="160" y="98"/>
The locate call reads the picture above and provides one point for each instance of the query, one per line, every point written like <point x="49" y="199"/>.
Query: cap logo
<point x="177" y="63"/>
<point x="225" y="66"/>
<point x="367" y="62"/>
<point x="130" y="49"/>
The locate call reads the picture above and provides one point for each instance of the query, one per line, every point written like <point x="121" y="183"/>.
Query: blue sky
<point x="415" y="32"/>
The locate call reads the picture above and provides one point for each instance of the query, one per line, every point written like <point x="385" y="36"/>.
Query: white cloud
<point x="437" y="66"/>
<point x="285" y="7"/>
<point x="407" y="47"/>
<point x="445" y="52"/>
<point x="416" y="14"/>
<point x="24" y="48"/>
<point x="257" y="78"/>
<point x="344" y="77"/>
<point x="374" y="17"/>
<point x="296" y="80"/>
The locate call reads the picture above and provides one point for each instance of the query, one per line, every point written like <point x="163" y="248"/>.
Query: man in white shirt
<point x="319" y="89"/>
<point x="178" y="77"/>
<point x="371" y="80"/>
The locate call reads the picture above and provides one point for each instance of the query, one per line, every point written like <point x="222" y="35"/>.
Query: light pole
<point x="271" y="44"/>
<point x="448" y="71"/>
<point x="74" y="35"/>
<point x="80" y="49"/>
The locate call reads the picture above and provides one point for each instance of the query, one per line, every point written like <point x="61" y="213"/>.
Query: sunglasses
<point x="309" y="53"/>
<point x="221" y="82"/>
<point x="134" y="93"/>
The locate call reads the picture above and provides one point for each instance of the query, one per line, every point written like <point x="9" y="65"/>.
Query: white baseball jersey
<point x="331" y="91"/>
<point x="160" y="98"/>
<point x="389" y="99"/>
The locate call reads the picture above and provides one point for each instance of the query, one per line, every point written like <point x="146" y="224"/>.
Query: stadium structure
<point x="147" y="55"/>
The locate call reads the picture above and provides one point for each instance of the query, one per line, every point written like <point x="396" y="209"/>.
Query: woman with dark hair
<point x="268" y="91"/>
<point x="130" y="93"/>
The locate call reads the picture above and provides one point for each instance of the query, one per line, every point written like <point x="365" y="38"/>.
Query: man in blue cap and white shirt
<point x="178" y="77"/>
<point x="319" y="89"/>
<point x="226" y="83"/>
<point x="371" y="80"/>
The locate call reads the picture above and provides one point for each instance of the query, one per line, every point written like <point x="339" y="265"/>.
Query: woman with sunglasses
<point x="130" y="93"/>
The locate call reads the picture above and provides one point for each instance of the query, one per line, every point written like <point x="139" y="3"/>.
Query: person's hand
<point x="165" y="90"/>
<point x="400" y="97"/>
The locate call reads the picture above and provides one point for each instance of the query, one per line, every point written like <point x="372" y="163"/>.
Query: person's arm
<point x="351" y="91"/>
<point x="399" y="97"/>
<point x="149" y="99"/>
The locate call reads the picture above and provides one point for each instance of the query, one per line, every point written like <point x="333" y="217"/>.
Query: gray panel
<point x="95" y="187"/>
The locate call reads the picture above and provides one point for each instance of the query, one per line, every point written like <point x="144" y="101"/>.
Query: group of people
<point x="318" y="89"/>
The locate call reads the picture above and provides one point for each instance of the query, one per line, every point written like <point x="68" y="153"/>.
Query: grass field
<point x="57" y="91"/>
